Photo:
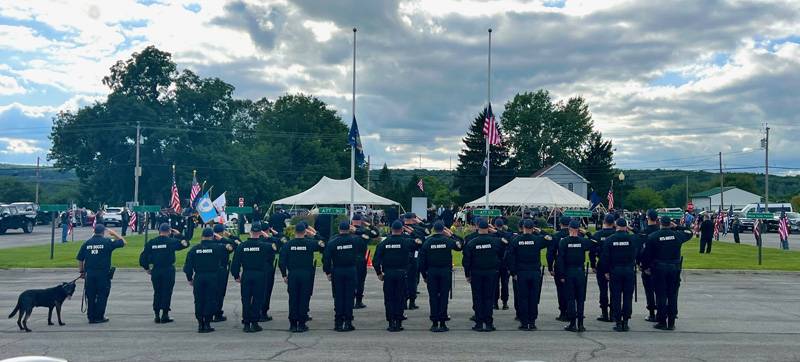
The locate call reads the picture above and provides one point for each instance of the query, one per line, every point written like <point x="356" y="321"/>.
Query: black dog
<point x="52" y="297"/>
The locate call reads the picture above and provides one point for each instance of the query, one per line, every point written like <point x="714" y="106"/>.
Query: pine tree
<point x="597" y="162"/>
<point x="468" y="179"/>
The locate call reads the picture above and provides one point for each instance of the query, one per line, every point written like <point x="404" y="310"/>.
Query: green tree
<point x="468" y="179"/>
<point x="796" y="203"/>
<point x="643" y="198"/>
<point x="597" y="163"/>
<point x="746" y="182"/>
<point x="14" y="190"/>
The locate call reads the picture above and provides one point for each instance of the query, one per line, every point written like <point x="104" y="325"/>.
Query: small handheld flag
<point x="175" y="200"/>
<point x="421" y="185"/>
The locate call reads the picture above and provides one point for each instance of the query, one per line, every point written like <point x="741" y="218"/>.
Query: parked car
<point x="17" y="217"/>
<point x="112" y="216"/>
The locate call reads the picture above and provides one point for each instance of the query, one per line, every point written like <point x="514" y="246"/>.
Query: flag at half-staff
<point x="175" y="200"/>
<point x="490" y="128"/>
<point x="354" y="140"/>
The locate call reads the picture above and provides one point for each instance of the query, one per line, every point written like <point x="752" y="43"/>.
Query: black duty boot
<point x="165" y="317"/>
<point x="255" y="327"/>
<point x="400" y="325"/>
<point x="348" y="326"/>
<point x="158" y="317"/>
<point x="571" y="327"/>
<point x="435" y="327"/>
<point x="532" y="326"/>
<point x="337" y="325"/>
<point x="247" y="328"/>
<point x="652" y="316"/>
<point x="562" y="317"/>
<point x="478" y="327"/>
<point x="219" y="318"/>
<point x="671" y="324"/>
<point x="359" y="303"/>
<point x="604" y="315"/>
<point x="619" y="327"/>
<point x="302" y="327"/>
<point x="581" y="328"/>
<point x="390" y="327"/>
<point x="208" y="326"/>
<point x="662" y="325"/>
<point x="523" y="326"/>
<point x="489" y="327"/>
<point x="201" y="326"/>
<point x="293" y="326"/>
<point x="443" y="326"/>
<point x="625" y="323"/>
<point x="412" y="305"/>
<point x="496" y="306"/>
<point x="505" y="305"/>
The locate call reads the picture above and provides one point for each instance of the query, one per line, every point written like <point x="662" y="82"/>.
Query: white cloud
<point x="19" y="146"/>
<point x="9" y="86"/>
<point x="323" y="30"/>
<point x="21" y="38"/>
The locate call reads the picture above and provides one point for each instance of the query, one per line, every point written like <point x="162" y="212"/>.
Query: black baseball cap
<point x="574" y="224"/>
<point x="344" y="225"/>
<point x="300" y="227"/>
<point x="208" y="232"/>
<point x="164" y="227"/>
<point x="99" y="229"/>
<point x="622" y="223"/>
<point x="438" y="226"/>
<point x="665" y="220"/>
<point x="397" y="225"/>
<point x="256" y="227"/>
<point x="652" y="215"/>
<point x="564" y="220"/>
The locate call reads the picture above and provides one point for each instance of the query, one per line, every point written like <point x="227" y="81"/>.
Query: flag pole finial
<point x="194" y="172"/>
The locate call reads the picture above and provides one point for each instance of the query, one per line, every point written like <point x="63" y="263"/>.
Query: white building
<point x="710" y="199"/>
<point x="566" y="177"/>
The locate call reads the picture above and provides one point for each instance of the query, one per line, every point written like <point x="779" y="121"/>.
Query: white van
<point x="773" y="208"/>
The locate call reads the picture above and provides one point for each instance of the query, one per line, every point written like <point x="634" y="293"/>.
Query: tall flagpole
<point x="353" y="148"/>
<point x="488" y="104"/>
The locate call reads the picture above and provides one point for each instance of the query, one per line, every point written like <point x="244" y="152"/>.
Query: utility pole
<point x="368" y="165"/>
<point x="137" y="170"/>
<point x="37" y="180"/>
<point x="687" y="190"/>
<point x="766" y="169"/>
<point x="420" y="161"/>
<point x="721" y="185"/>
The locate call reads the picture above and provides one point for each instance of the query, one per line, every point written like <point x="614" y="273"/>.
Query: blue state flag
<point x="354" y="140"/>
<point x="206" y="209"/>
<point x="595" y="199"/>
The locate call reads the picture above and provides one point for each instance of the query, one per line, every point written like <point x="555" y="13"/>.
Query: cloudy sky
<point x="671" y="82"/>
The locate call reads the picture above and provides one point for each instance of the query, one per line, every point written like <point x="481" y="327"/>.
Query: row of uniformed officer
<point x="252" y="265"/>
<point x="391" y="263"/>
<point x="339" y="264"/>
<point x="202" y="271"/>
<point x="482" y="258"/>
<point x="297" y="268"/>
<point x="662" y="259"/>
<point x="436" y="268"/>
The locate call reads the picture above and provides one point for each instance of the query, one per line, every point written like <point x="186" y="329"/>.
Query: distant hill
<point x="46" y="174"/>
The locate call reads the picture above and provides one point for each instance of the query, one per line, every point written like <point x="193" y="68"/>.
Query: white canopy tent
<point x="329" y="191"/>
<point x="532" y="191"/>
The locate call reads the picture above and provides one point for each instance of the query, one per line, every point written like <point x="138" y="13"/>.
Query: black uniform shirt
<point x="298" y="254"/>
<point x="253" y="255"/>
<point x="393" y="253"/>
<point x="525" y="252"/>
<point x="96" y="253"/>
<point x="572" y="253"/>
<point x="619" y="250"/>
<point x="664" y="246"/>
<point x="361" y="240"/>
<point x="205" y="257"/>
<point x="552" y="250"/>
<point x="436" y="252"/>
<point x="160" y="251"/>
<point x="598" y="239"/>
<point x="229" y="245"/>
<point x="482" y="253"/>
<point x="340" y="252"/>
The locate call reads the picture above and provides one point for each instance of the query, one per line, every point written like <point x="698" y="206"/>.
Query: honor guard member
<point x="501" y="290"/>
<point x="365" y="233"/>
<point x="392" y="257"/>
<point x="251" y="260"/>
<point x="481" y="264"/>
<point x="201" y="269"/>
<point x="223" y="237"/>
<point x="523" y="258"/>
<point x="570" y="271"/>
<point x="662" y="259"/>
<point x="297" y="268"/>
<point x="436" y="267"/>
<point x="647" y="279"/>
<point x="617" y="265"/>
<point x="598" y="238"/>
<point x="339" y="264"/>
<point x="268" y="235"/>
<point x="94" y="263"/>
<point x="416" y="232"/>
<point x="158" y="260"/>
<point x="552" y="255"/>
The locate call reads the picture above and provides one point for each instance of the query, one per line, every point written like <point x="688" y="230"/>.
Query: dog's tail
<point x="14" y="311"/>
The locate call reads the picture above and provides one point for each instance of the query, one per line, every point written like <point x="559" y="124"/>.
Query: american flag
<point x="610" y="199"/>
<point x="175" y="203"/>
<point x="718" y="223"/>
<point x="69" y="223"/>
<point x="421" y="185"/>
<point x="490" y="128"/>
<point x="783" y="227"/>
<point x="132" y="222"/>
<point x="195" y="190"/>
<point x="757" y="229"/>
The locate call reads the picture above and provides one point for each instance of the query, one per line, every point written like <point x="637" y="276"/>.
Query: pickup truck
<point x="16" y="217"/>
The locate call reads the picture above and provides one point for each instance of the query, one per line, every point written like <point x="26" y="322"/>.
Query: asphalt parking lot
<point x="723" y="317"/>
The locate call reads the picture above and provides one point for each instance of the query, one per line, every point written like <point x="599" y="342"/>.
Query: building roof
<point x="547" y="169"/>
<point x="712" y="192"/>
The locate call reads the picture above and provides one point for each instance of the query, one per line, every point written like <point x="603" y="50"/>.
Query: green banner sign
<point x="760" y="215"/>
<point x="53" y="207"/>
<point x="486" y="212"/>
<point x="332" y="211"/>
<point x="239" y="210"/>
<point x="674" y="215"/>
<point x="577" y="213"/>
<point x="147" y="208"/>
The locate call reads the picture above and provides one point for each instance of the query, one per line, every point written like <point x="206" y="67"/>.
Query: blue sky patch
<point x="554" y="3"/>
<point x="194" y="7"/>
<point x="671" y="79"/>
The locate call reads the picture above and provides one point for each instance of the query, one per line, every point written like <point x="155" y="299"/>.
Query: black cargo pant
<point x="301" y="283"/>
<point x="394" y="293"/>
<point x="528" y="286"/>
<point x="483" y="283"/>
<point x="440" y="281"/>
<point x="361" y="277"/>
<point x="705" y="244"/>
<point x="163" y="279"/>
<point x="667" y="277"/>
<point x="562" y="301"/>
<point x="205" y="295"/>
<point x="575" y="292"/>
<point x="602" y="285"/>
<point x="222" y="287"/>
<point x="622" y="284"/>
<point x="269" y="284"/>
<point x="649" y="291"/>
<point x="501" y="290"/>
<point x="98" y="286"/>
<point x="412" y="279"/>
<point x="252" y="294"/>
<point x="344" y="283"/>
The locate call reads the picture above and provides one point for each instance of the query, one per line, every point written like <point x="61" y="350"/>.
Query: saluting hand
<point x="608" y="276"/>
<point x="380" y="277"/>
<point x="286" y="280"/>
<point x="238" y="280"/>
<point x="329" y="277"/>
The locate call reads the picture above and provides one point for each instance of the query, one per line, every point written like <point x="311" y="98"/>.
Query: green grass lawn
<point x="724" y="256"/>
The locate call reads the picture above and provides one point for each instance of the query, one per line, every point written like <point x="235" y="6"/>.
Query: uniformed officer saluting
<point x="229" y="244"/>
<point x="297" y="267"/>
<point x="617" y="264"/>
<point x="339" y="264"/>
<point x="552" y="255"/>
<point x="268" y="235"/>
<point x="501" y="289"/>
<point x="662" y="259"/>
<point x="251" y="261"/>
<point x="391" y="260"/>
<point x="201" y="269"/>
<point x="158" y="260"/>
<point x="523" y="257"/>
<point x="94" y="263"/>
<point x="481" y="263"/>
<point x="365" y="232"/>
<point x="647" y="279"/>
<point x="570" y="271"/>
<point x="598" y="239"/>
<point x="418" y="233"/>
<point x="436" y="267"/>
